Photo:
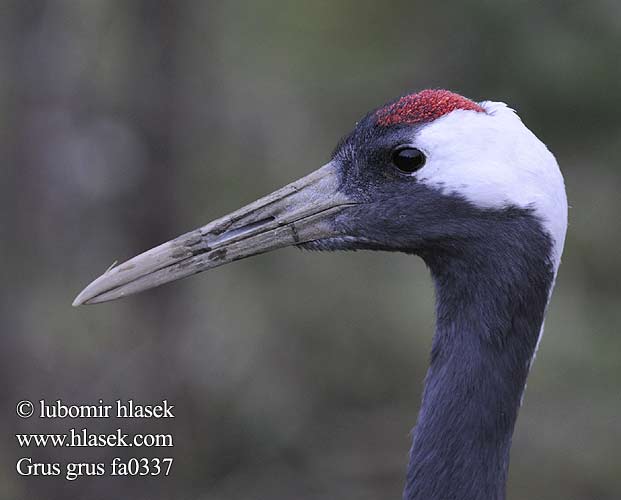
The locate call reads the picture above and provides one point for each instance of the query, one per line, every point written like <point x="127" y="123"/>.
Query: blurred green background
<point x="294" y="375"/>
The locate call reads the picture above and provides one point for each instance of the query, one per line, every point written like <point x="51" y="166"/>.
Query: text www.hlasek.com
<point x="82" y="438"/>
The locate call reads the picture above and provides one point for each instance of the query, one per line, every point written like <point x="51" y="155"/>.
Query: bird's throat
<point x="490" y="308"/>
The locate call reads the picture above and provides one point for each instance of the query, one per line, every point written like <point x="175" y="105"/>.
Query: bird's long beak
<point x="300" y="212"/>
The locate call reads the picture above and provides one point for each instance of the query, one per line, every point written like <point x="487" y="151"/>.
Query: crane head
<point x="428" y="173"/>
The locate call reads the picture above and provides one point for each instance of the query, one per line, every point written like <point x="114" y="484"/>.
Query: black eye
<point x="408" y="160"/>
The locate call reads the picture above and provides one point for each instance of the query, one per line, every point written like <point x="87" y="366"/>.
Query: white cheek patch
<point x="494" y="161"/>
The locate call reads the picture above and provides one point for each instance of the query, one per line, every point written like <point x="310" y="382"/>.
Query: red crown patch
<point x="424" y="106"/>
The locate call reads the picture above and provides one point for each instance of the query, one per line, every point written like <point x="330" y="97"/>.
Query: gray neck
<point x="490" y="308"/>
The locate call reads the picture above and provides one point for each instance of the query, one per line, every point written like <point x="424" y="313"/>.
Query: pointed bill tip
<point x="83" y="297"/>
<point x="88" y="297"/>
<point x="93" y="293"/>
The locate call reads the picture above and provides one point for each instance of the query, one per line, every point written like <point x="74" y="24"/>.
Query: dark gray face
<point x="392" y="207"/>
<point x="397" y="212"/>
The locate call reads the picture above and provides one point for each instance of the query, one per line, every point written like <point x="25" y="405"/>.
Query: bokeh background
<point x="294" y="375"/>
